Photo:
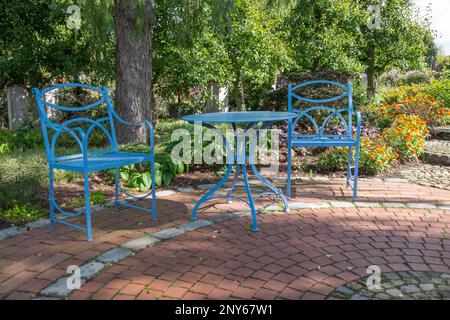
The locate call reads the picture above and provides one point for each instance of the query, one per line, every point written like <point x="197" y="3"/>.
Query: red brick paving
<point x="304" y="254"/>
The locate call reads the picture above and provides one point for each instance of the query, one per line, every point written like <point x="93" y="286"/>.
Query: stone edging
<point x="59" y="288"/>
<point x="403" y="285"/>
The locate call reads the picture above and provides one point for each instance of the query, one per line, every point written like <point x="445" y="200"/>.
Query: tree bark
<point x="133" y="28"/>
<point x="371" y="86"/>
<point x="238" y="92"/>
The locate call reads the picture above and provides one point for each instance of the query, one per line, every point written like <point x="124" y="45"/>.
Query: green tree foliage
<point x="36" y="46"/>
<point x="400" y="41"/>
<point x="255" y="47"/>
<point x="239" y="42"/>
<point x="323" y="35"/>
<point x="181" y="60"/>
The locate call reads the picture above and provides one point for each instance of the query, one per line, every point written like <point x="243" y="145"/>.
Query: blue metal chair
<point x="319" y="138"/>
<point x="88" y="161"/>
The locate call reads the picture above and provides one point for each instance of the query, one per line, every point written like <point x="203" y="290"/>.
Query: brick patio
<point x="305" y="254"/>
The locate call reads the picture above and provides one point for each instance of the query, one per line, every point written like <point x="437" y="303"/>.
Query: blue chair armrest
<point x="104" y="90"/>
<point x="139" y="123"/>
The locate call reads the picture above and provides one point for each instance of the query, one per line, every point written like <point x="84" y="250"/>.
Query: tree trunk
<point x="371" y="86"/>
<point x="133" y="28"/>
<point x="238" y="92"/>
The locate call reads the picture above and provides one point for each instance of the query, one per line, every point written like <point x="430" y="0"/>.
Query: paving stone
<point x="357" y="297"/>
<point x="243" y="214"/>
<point x="437" y="152"/>
<point x="186" y="189"/>
<point x="396" y="180"/>
<point x="398" y="282"/>
<point x="90" y="269"/>
<point x="442" y="132"/>
<point x="79" y="210"/>
<point x="391" y="276"/>
<point x="387" y="285"/>
<point x="275" y="208"/>
<point x="46" y="298"/>
<point x="165" y="193"/>
<point x="437" y="281"/>
<point x="443" y="287"/>
<point x="59" y="289"/>
<point x="38" y="223"/>
<point x="141" y="243"/>
<point x="308" y="205"/>
<point x="394" y="292"/>
<point x="342" y="204"/>
<point x="345" y="291"/>
<point x="411" y="281"/>
<point x="382" y="296"/>
<point x="405" y="274"/>
<point x="445" y="293"/>
<point x="362" y="204"/>
<point x="426" y="286"/>
<point x="168" y="233"/>
<point x="422" y="289"/>
<point x="96" y="207"/>
<point x="190" y="226"/>
<point x="393" y="205"/>
<point x="114" y="255"/>
<point x="222" y="217"/>
<point x="10" y="232"/>
<point x="419" y="296"/>
<point x="206" y="186"/>
<point x="429" y="175"/>
<point x="320" y="179"/>
<point x="355" y="286"/>
<point x="279" y="179"/>
<point x="418" y="205"/>
<point x="410" y="289"/>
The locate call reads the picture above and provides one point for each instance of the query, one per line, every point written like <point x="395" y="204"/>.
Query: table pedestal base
<point x="249" y="199"/>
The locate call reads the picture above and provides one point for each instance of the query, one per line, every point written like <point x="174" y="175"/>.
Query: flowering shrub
<point x="424" y="106"/>
<point x="332" y="159"/>
<point x="375" y="155"/>
<point x="407" y="136"/>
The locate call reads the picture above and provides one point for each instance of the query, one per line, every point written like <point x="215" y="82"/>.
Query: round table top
<point x="240" y="117"/>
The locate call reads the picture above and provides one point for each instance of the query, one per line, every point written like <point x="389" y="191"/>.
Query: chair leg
<point x="349" y="162"/>
<point x="289" y="171"/>
<point x="116" y="188"/>
<point x="355" y="173"/>
<point x="88" y="206"/>
<point x="152" y="173"/>
<point x="51" y="196"/>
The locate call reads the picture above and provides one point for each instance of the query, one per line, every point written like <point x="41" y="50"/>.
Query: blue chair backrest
<point x="343" y="114"/>
<point x="105" y="124"/>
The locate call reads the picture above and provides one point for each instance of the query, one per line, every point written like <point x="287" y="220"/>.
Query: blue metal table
<point x="240" y="156"/>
